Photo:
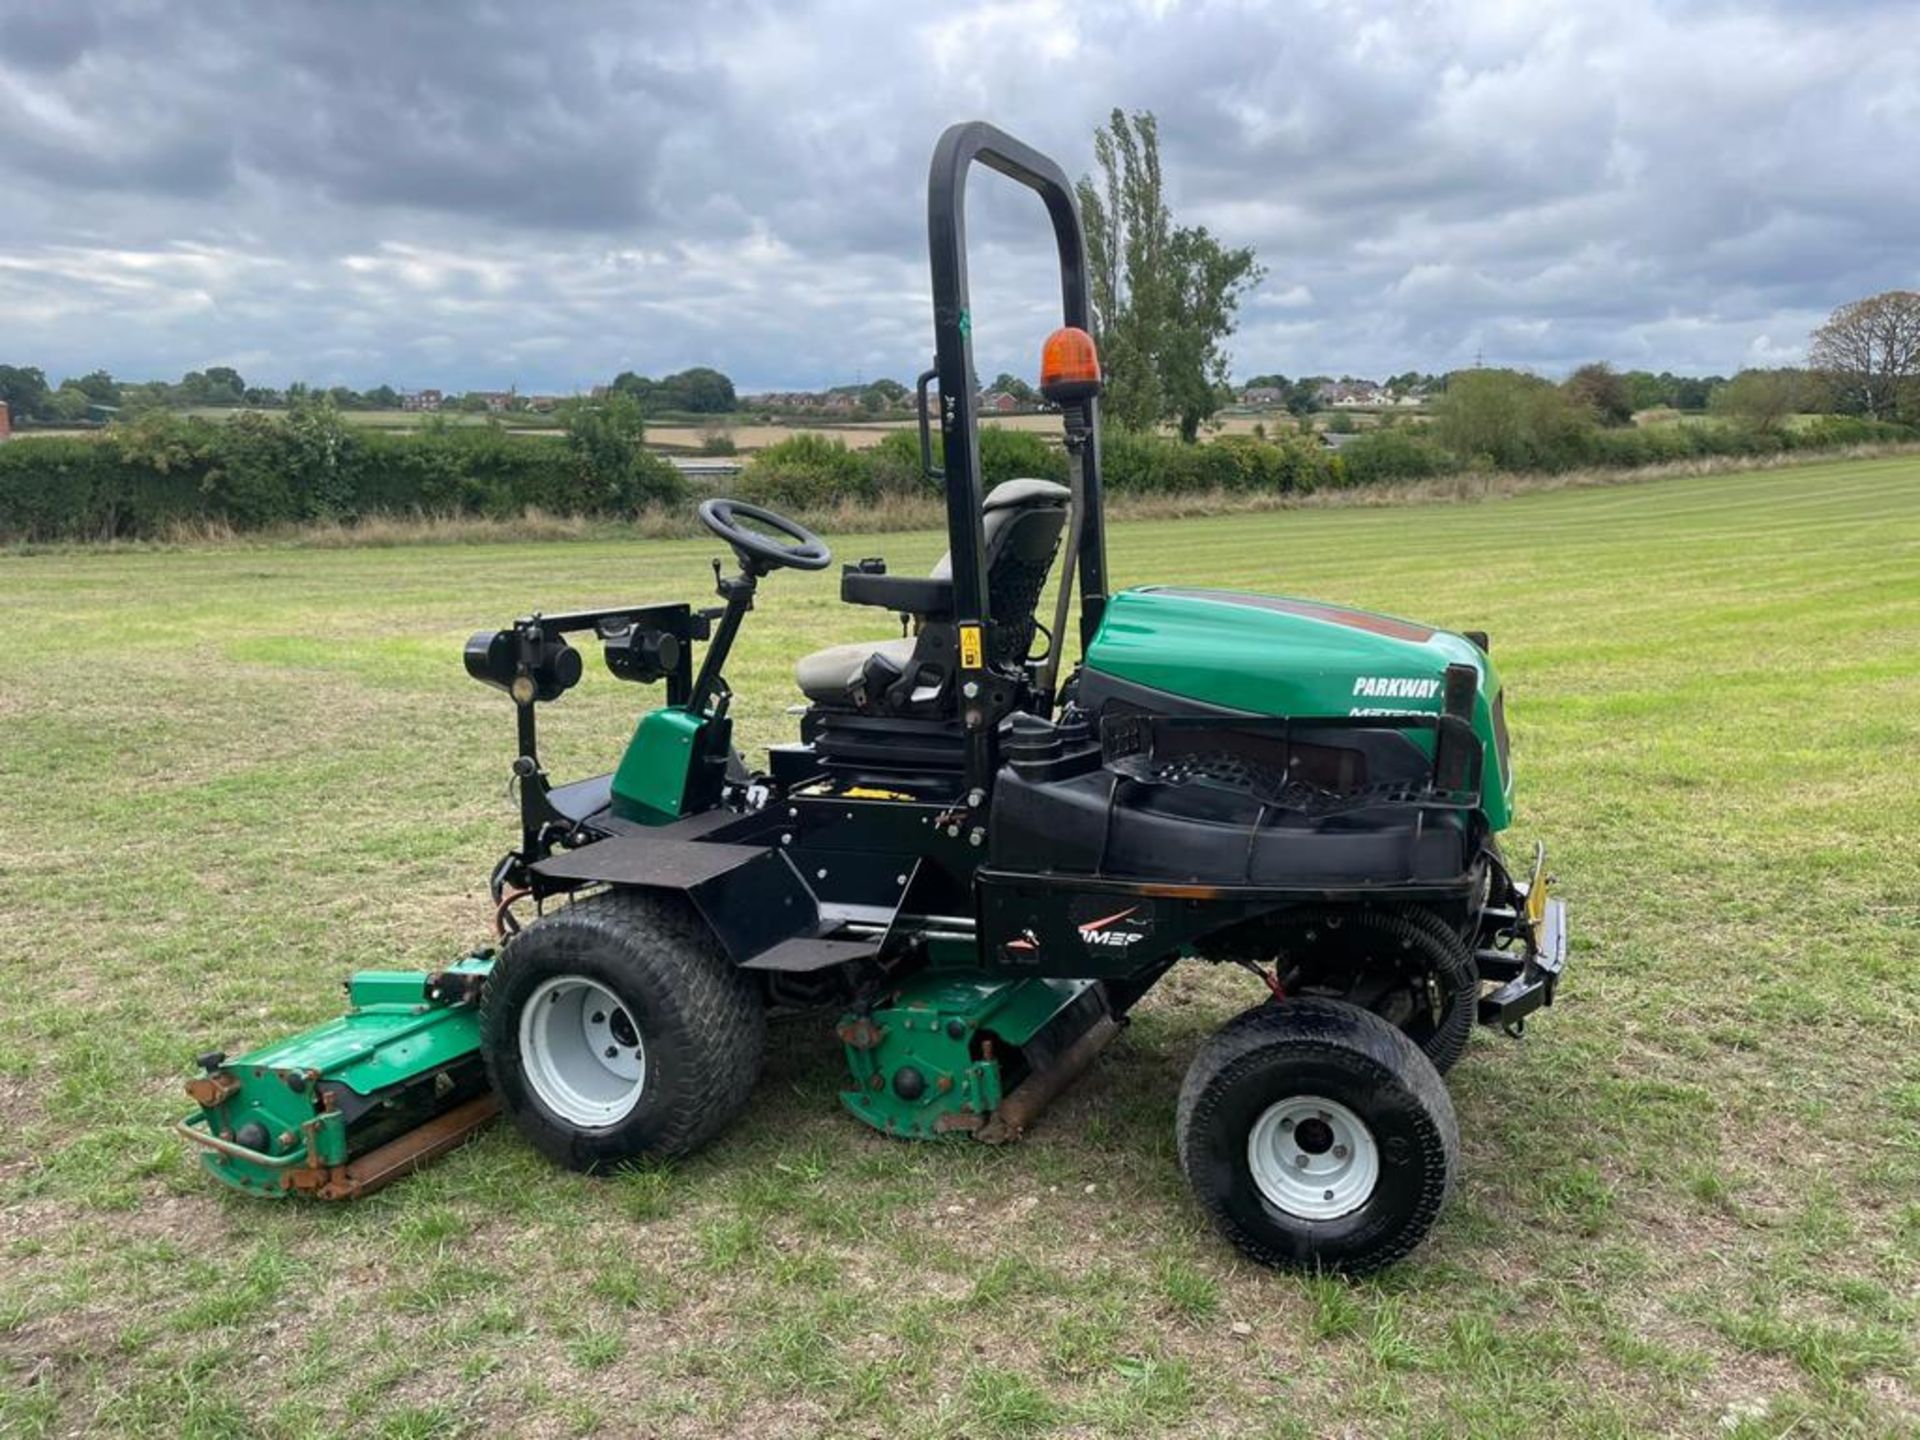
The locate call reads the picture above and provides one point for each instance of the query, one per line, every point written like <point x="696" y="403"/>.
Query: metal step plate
<point x="803" y="954"/>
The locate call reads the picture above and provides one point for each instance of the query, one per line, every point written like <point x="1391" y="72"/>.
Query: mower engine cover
<point x="1274" y="655"/>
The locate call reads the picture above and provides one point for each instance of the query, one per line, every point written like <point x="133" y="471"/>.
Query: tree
<point x="1510" y="420"/>
<point x="24" y="388"/>
<point x="1691" y="392"/>
<point x="1009" y="384"/>
<point x="628" y="383"/>
<point x="1871" y="352"/>
<point x="1164" y="298"/>
<point x="224" y="385"/>
<point x="220" y="385"/>
<point x="1644" y="390"/>
<point x="612" y="470"/>
<point x="68" y="405"/>
<point x="700" y="390"/>
<point x="1762" y="400"/>
<point x="99" y="387"/>
<point x="383" y="397"/>
<point x="139" y="396"/>
<point x="1303" y="396"/>
<point x="1601" y="392"/>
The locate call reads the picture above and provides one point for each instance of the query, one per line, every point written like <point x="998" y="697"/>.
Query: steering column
<point x="756" y="536"/>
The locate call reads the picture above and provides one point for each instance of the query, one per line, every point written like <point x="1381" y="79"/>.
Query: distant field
<point x="410" y="419"/>
<point x="746" y="433"/>
<point x="1691" y="1197"/>
<point x="1666" y="418"/>
<point x="861" y="435"/>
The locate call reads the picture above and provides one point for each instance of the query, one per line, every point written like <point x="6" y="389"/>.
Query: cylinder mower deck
<point x="344" y="1108"/>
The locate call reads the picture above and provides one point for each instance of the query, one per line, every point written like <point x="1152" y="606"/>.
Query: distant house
<point x="497" y="400"/>
<point x="1263" y="395"/>
<point x="999" y="402"/>
<point x="777" y="400"/>
<point x="1352" y="395"/>
<point x="545" y="404"/>
<point x="421" y="401"/>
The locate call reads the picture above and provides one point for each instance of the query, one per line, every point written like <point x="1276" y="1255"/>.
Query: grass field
<point x="1691" y="1200"/>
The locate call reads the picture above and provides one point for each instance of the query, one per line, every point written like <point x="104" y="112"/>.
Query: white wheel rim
<point x="1313" y="1157"/>
<point x="582" y="1052"/>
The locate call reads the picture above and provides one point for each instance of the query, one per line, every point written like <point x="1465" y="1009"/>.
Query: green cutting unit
<point x="973" y="862"/>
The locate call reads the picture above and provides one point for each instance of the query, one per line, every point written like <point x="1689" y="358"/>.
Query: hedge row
<point x="809" y="471"/>
<point x="254" y="471"/>
<point x="1415" y="453"/>
<point x="814" y="471"/>
<point x="257" y="470"/>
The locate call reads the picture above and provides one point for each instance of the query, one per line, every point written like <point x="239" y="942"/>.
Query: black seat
<point x="910" y="674"/>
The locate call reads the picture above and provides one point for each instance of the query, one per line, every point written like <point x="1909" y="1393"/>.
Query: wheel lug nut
<point x="612" y="1050"/>
<point x="1300" y="1161"/>
<point x="1339" y="1152"/>
<point x="1328" y="1195"/>
<point x="1286" y="1124"/>
<point x="599" y="1017"/>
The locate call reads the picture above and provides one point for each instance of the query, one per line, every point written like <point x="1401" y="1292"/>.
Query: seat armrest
<point x="908" y="594"/>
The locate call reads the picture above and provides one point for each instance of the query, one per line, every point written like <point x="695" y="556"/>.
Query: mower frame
<point x="984" y="904"/>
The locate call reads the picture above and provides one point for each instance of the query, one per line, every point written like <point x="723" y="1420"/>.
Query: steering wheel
<point x="808" y="552"/>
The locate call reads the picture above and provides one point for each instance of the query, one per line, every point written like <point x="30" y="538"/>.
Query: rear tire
<point x="1359" y="945"/>
<point x="1317" y="1135"/>
<point x="616" y="1030"/>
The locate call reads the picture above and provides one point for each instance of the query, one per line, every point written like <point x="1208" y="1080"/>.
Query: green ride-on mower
<point x="979" y="863"/>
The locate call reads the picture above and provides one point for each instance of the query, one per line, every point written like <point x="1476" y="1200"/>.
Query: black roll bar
<point x="959" y="148"/>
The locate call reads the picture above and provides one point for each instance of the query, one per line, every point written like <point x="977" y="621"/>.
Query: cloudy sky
<point x="545" y="194"/>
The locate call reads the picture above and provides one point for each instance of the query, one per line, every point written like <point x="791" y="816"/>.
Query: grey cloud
<point x="50" y="39"/>
<point x="485" y="194"/>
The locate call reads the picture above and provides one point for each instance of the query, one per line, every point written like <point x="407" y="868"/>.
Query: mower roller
<point x="979" y="864"/>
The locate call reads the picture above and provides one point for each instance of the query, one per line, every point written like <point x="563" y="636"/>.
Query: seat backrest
<point x="1023" y="519"/>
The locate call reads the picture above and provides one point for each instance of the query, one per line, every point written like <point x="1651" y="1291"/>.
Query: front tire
<point x="1317" y="1135"/>
<point x="616" y="1030"/>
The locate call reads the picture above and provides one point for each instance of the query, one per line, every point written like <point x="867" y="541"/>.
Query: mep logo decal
<point x="1116" y="930"/>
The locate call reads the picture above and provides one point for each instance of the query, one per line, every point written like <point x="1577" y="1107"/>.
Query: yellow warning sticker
<point x="969" y="647"/>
